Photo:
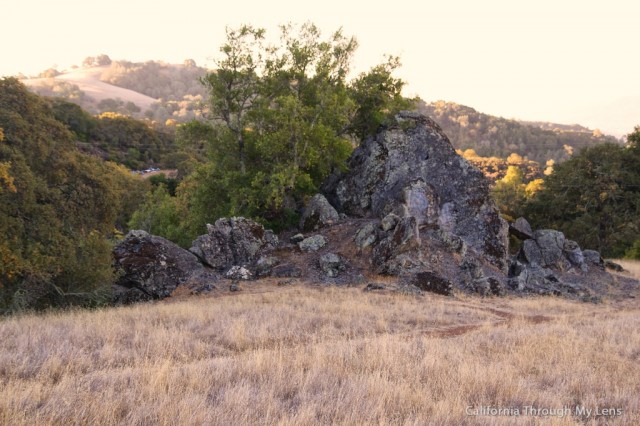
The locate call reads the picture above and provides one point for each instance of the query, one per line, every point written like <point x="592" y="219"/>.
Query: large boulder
<point x="233" y="241"/>
<point x="318" y="213"/>
<point x="410" y="169"/>
<point x="151" y="267"/>
<point x="521" y="229"/>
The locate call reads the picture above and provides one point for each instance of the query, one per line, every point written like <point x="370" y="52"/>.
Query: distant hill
<point x="87" y="88"/>
<point x="491" y="136"/>
<point x="153" y="90"/>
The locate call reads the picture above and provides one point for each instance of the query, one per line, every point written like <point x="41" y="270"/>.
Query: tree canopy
<point x="594" y="197"/>
<point x="281" y="119"/>
<point x="57" y="206"/>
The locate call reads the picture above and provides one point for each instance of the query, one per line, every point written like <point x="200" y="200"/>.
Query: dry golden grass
<point x="632" y="267"/>
<point x="303" y="355"/>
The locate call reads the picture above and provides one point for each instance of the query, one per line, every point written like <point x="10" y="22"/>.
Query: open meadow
<point x="299" y="354"/>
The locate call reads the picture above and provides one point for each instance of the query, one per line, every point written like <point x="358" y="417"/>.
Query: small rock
<point x="265" y="264"/>
<point x="432" y="282"/>
<point x="613" y="266"/>
<point x="331" y="264"/>
<point x="296" y="238"/>
<point x="313" y="243"/>
<point x="239" y="273"/>
<point x="318" y="214"/>
<point x="593" y="257"/>
<point x="389" y="222"/>
<point x="286" y="271"/>
<point x="521" y="229"/>
<point x="374" y="286"/>
<point x="365" y="236"/>
<point x="234" y="286"/>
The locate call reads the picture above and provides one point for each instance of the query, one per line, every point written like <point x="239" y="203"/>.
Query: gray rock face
<point x="232" y="241"/>
<point x="366" y="236"/>
<point x="313" y="243"/>
<point x="331" y="264"/>
<point x="265" y="265"/>
<point x="387" y="255"/>
<point x="593" y="257"/>
<point x="545" y="249"/>
<point x="151" y="267"/>
<point x="411" y="170"/>
<point x="521" y="229"/>
<point x="317" y="214"/>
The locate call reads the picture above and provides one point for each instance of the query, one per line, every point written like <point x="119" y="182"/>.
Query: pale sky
<point x="555" y="60"/>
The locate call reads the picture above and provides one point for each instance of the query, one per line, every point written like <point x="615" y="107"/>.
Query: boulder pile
<point x="408" y="206"/>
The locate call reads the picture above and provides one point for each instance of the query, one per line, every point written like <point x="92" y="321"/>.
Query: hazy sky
<point x="555" y="60"/>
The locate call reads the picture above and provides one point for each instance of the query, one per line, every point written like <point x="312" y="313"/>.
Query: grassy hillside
<point x="153" y="90"/>
<point x="302" y="355"/>
<point x="94" y="90"/>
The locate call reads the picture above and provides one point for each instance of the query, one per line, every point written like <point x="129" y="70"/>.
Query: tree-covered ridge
<point x="117" y="137"/>
<point x="595" y="198"/>
<point x="60" y="208"/>
<point x="491" y="136"/>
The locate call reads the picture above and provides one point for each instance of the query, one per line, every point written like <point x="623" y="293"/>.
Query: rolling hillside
<point x="88" y="81"/>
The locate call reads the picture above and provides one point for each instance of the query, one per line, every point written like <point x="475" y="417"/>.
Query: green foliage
<point x="283" y="118"/>
<point x="160" y="214"/>
<point x="377" y="95"/>
<point x="594" y="198"/>
<point x="634" y="251"/>
<point x="129" y="141"/>
<point x="55" y="226"/>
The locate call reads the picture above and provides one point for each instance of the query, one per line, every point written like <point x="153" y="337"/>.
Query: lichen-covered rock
<point x="545" y="249"/>
<point x="237" y="272"/>
<point x="233" y="241"/>
<point x="389" y="222"/>
<point x="265" y="265"/>
<point x="317" y="214"/>
<point x="387" y="255"/>
<point x="411" y="170"/>
<point x="313" y="243"/>
<point x="366" y="236"/>
<point x="572" y="252"/>
<point x="331" y="264"/>
<point x="151" y="267"/>
<point x="593" y="258"/>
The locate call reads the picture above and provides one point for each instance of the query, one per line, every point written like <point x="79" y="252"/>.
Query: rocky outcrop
<point x="233" y="241"/>
<point x="151" y="267"/>
<point x="550" y="264"/>
<point x="331" y="264"/>
<point x="312" y="243"/>
<point x="411" y="170"/>
<point x="318" y="214"/>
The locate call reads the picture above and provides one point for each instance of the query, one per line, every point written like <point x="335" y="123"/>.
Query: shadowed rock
<point x="521" y="229"/>
<point x="151" y="267"/>
<point x="318" y="214"/>
<point x="233" y="241"/>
